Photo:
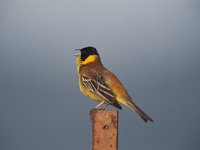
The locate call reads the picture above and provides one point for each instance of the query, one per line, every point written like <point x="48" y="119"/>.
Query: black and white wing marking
<point x="98" y="86"/>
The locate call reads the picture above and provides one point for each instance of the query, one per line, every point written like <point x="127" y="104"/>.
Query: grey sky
<point x="153" y="46"/>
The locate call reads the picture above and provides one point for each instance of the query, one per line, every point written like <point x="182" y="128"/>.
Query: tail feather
<point x="136" y="109"/>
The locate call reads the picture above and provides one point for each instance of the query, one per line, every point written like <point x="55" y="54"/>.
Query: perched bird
<point x="100" y="84"/>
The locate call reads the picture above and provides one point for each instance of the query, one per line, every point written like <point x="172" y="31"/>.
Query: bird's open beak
<point x="78" y="52"/>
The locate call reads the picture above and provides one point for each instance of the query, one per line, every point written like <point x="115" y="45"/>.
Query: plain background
<point x="153" y="46"/>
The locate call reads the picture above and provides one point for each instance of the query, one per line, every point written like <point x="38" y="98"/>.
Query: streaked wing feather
<point x="98" y="86"/>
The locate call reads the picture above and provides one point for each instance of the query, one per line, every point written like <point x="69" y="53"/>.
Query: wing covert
<point x="97" y="85"/>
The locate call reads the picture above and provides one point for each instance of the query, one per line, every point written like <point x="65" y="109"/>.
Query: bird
<point x="100" y="84"/>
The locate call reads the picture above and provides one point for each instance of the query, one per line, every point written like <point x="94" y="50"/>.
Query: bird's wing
<point x="95" y="83"/>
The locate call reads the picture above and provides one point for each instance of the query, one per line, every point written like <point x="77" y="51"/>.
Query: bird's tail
<point x="136" y="109"/>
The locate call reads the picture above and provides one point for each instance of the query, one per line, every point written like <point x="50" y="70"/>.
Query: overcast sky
<point x="153" y="46"/>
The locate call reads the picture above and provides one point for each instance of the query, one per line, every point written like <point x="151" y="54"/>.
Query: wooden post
<point x="104" y="129"/>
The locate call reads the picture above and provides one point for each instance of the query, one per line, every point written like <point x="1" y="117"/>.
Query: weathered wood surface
<point x="104" y="129"/>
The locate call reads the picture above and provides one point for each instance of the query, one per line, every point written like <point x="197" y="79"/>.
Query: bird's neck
<point x="92" y="59"/>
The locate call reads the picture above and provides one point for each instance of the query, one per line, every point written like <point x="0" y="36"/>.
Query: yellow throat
<point x="89" y="59"/>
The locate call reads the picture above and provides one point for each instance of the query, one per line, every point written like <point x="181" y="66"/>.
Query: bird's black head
<point x="87" y="51"/>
